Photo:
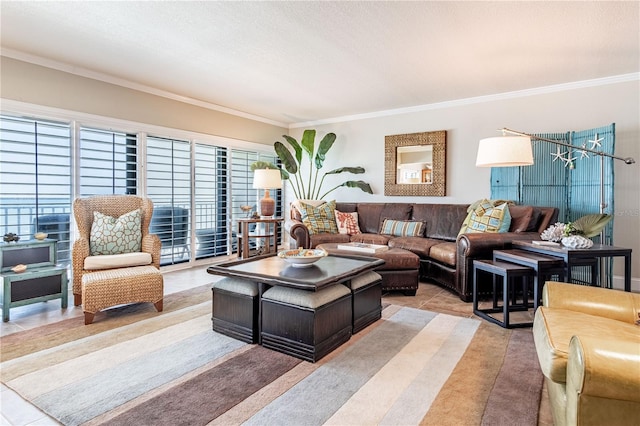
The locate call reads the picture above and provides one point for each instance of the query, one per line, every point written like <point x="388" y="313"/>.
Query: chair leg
<point x="158" y="305"/>
<point x="88" y="318"/>
<point x="77" y="299"/>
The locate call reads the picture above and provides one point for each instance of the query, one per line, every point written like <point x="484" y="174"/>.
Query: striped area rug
<point x="412" y="367"/>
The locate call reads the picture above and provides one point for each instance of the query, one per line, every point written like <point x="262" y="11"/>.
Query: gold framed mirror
<point x="415" y="164"/>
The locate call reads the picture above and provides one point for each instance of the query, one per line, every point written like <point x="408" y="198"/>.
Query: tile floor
<point x="16" y="411"/>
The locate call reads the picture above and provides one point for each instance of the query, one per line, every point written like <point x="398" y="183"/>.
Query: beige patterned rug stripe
<point x="144" y="368"/>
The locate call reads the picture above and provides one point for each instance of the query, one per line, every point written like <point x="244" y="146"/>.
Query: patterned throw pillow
<point x="347" y="223"/>
<point x="489" y="218"/>
<point x="319" y="219"/>
<point x="110" y="235"/>
<point x="402" y="228"/>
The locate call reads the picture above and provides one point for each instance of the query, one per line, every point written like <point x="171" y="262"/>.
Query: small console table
<point x="43" y="280"/>
<point x="266" y="229"/>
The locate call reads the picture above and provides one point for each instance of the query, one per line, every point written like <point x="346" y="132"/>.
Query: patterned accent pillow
<point x="489" y="218"/>
<point x="110" y="235"/>
<point x="319" y="219"/>
<point x="347" y="223"/>
<point x="402" y="228"/>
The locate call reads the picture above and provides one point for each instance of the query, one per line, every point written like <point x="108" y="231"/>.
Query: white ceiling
<point x="294" y="62"/>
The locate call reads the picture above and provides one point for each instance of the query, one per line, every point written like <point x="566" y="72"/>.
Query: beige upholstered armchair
<point x="100" y="279"/>
<point x="588" y="344"/>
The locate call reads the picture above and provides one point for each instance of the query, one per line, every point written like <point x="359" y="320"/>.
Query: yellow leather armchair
<point x="588" y="344"/>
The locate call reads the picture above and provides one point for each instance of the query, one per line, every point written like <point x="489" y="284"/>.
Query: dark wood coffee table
<point x="271" y="271"/>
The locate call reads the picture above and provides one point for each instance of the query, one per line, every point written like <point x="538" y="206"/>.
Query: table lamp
<point x="267" y="179"/>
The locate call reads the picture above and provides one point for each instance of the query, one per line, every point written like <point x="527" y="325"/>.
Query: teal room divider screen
<point x="573" y="188"/>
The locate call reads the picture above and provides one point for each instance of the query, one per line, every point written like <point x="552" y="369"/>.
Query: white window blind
<point x="108" y="162"/>
<point x="212" y="226"/>
<point x="35" y="179"/>
<point x="169" y="186"/>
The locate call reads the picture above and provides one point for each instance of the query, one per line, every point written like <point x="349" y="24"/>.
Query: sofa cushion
<point x="325" y="237"/>
<point x="402" y="228"/>
<point x="347" y="222"/>
<point x="417" y="245"/>
<point x="489" y="218"/>
<point x="370" y="238"/>
<point x="444" y="253"/>
<point x="115" y="235"/>
<point x="554" y="327"/>
<point x="319" y="219"/>
<point x="112" y="261"/>
<point x="520" y="218"/>
<point x="295" y="207"/>
<point x="371" y="215"/>
<point x="443" y="221"/>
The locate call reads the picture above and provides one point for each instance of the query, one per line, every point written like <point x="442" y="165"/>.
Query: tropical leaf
<point x="355" y="170"/>
<point x="325" y="145"/>
<point x="296" y="147"/>
<point x="308" y="142"/>
<point x="260" y="165"/>
<point x="285" y="156"/>
<point x="591" y="224"/>
<point x="364" y="186"/>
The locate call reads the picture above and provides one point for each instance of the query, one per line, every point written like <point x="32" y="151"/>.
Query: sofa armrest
<point x="483" y="244"/>
<point x="603" y="302"/>
<point x="601" y="384"/>
<point x="298" y="234"/>
<point x="470" y="247"/>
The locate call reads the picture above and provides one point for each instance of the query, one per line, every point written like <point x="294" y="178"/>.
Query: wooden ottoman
<point x="366" y="292"/>
<point x="306" y="324"/>
<point x="110" y="287"/>
<point x="235" y="308"/>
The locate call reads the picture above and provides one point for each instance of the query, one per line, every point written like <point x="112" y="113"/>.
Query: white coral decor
<point x="577" y="242"/>
<point x="554" y="232"/>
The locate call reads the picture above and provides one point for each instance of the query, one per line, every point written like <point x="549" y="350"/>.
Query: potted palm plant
<point x="306" y="185"/>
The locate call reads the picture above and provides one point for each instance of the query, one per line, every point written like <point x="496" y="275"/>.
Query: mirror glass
<point x="415" y="164"/>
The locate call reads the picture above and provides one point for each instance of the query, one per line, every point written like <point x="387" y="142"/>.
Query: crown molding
<point x="623" y="78"/>
<point x="83" y="72"/>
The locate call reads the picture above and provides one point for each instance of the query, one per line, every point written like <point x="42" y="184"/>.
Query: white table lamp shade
<point x="267" y="179"/>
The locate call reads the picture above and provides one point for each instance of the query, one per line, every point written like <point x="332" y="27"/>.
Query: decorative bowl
<point x="18" y="269"/>
<point x="40" y="235"/>
<point x="301" y="258"/>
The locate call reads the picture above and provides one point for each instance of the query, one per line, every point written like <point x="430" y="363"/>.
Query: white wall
<point x="360" y="142"/>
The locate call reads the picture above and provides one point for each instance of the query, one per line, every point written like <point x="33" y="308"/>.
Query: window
<point x="35" y="179"/>
<point x="108" y="162"/>
<point x="169" y="186"/>
<point x="197" y="188"/>
<point x="211" y="201"/>
<point x="244" y="199"/>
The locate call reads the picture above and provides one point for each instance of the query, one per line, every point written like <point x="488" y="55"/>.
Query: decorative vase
<point x="577" y="242"/>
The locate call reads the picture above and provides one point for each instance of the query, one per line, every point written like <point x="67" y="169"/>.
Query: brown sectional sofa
<point x="444" y="257"/>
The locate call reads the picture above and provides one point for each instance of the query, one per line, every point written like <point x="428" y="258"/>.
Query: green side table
<point x="43" y="280"/>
